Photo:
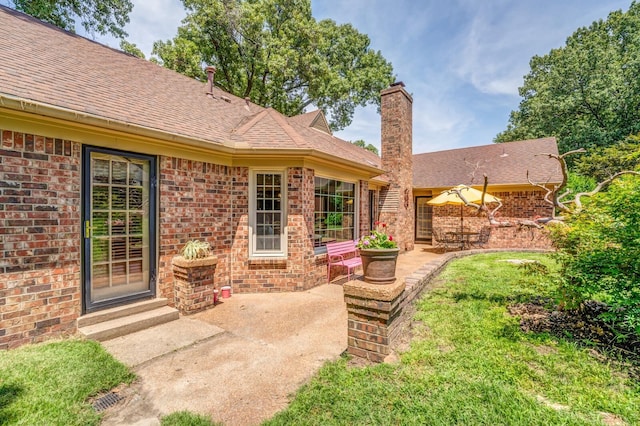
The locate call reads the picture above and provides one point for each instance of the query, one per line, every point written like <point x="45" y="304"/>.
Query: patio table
<point x="465" y="238"/>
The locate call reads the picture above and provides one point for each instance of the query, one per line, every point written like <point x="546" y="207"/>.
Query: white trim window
<point x="267" y="213"/>
<point x="335" y="211"/>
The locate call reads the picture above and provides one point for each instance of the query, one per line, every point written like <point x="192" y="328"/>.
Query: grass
<point x="186" y="418"/>
<point x="470" y="364"/>
<point x="49" y="384"/>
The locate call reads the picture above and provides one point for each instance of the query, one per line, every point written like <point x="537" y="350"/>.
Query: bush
<point x="599" y="251"/>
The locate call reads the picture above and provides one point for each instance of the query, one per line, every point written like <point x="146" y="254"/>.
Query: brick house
<point x="506" y="166"/>
<point x="109" y="164"/>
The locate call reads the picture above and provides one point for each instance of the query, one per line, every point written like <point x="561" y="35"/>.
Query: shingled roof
<point x="504" y="164"/>
<point x="315" y="119"/>
<point x="51" y="70"/>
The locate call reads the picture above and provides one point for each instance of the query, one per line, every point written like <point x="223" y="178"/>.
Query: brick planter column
<point x="193" y="287"/>
<point x="374" y="318"/>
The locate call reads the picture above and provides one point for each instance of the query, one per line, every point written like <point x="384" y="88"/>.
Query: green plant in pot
<point x="194" y="273"/>
<point x="196" y="249"/>
<point x="379" y="253"/>
<point x="195" y="253"/>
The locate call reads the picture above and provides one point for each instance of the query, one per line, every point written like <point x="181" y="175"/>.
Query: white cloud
<point x="154" y="20"/>
<point x="501" y="37"/>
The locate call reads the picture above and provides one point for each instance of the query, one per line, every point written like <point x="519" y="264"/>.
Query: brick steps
<point x="123" y="320"/>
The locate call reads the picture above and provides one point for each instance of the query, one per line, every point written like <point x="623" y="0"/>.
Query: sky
<point x="461" y="60"/>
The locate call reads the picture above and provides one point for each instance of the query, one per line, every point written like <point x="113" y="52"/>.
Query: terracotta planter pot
<point x="379" y="265"/>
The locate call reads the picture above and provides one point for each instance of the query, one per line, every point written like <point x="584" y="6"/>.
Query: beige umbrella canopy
<point x="470" y="195"/>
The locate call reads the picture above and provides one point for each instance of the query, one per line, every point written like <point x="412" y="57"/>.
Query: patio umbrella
<point x="472" y="195"/>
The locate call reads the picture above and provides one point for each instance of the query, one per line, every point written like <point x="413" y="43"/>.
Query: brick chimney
<point x="397" y="209"/>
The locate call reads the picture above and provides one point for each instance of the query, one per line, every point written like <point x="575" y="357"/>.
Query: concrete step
<point x="120" y="311"/>
<point x="124" y="325"/>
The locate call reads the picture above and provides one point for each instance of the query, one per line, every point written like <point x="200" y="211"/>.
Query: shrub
<point x="599" y="251"/>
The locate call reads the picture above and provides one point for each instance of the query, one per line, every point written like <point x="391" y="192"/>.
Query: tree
<point x="368" y="147"/>
<point x="180" y="55"/>
<point x="101" y="16"/>
<point x="131" y="49"/>
<point x="278" y="55"/>
<point x="586" y="93"/>
<point x="604" y="162"/>
<point x="561" y="198"/>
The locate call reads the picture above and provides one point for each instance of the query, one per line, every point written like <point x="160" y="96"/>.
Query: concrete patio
<point x="240" y="361"/>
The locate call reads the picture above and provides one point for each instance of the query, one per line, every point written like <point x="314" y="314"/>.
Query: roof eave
<point x="493" y="186"/>
<point x="26" y="106"/>
<point x="307" y="153"/>
<point x="61" y="113"/>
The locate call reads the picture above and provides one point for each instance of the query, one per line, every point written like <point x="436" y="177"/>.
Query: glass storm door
<point x="118" y="223"/>
<point x="424" y="223"/>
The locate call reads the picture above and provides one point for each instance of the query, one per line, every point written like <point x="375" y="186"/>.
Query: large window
<point x="335" y="211"/>
<point x="267" y="213"/>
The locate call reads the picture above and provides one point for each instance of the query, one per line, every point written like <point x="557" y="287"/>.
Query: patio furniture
<point x="446" y="239"/>
<point x="482" y="237"/>
<point x="466" y="237"/>
<point x="345" y="254"/>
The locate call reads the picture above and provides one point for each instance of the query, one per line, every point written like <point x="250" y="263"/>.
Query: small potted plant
<point x="196" y="249"/>
<point x="379" y="253"/>
<point x="193" y="271"/>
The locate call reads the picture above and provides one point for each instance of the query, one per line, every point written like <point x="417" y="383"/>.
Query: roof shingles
<point x="504" y="164"/>
<point x="41" y="63"/>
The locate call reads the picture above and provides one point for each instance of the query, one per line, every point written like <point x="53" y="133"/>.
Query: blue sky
<point x="462" y="60"/>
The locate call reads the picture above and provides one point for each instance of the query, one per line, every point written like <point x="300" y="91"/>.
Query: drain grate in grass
<point x="106" y="401"/>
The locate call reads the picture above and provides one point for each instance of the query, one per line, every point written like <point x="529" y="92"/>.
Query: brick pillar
<point x="375" y="319"/>
<point x="397" y="160"/>
<point x="194" y="286"/>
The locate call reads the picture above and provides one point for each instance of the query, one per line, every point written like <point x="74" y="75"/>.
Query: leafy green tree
<point x="579" y="183"/>
<point x="599" y="251"/>
<point x="368" y="147"/>
<point x="586" y="93"/>
<point x="278" y="55"/>
<point x="604" y="162"/>
<point x="180" y="55"/>
<point x="131" y="49"/>
<point x="101" y="16"/>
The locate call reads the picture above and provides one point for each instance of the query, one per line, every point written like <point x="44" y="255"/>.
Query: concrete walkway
<point x="239" y="362"/>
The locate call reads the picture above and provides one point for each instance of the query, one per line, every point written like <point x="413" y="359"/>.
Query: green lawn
<point x="470" y="364"/>
<point x="48" y="384"/>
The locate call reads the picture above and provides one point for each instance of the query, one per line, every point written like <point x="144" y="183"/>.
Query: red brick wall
<point x="210" y="202"/>
<point x="39" y="237"/>
<point x="301" y="269"/>
<point x="195" y="203"/>
<point x="517" y="205"/>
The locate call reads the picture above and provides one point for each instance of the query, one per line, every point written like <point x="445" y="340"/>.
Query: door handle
<point x="87" y="229"/>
